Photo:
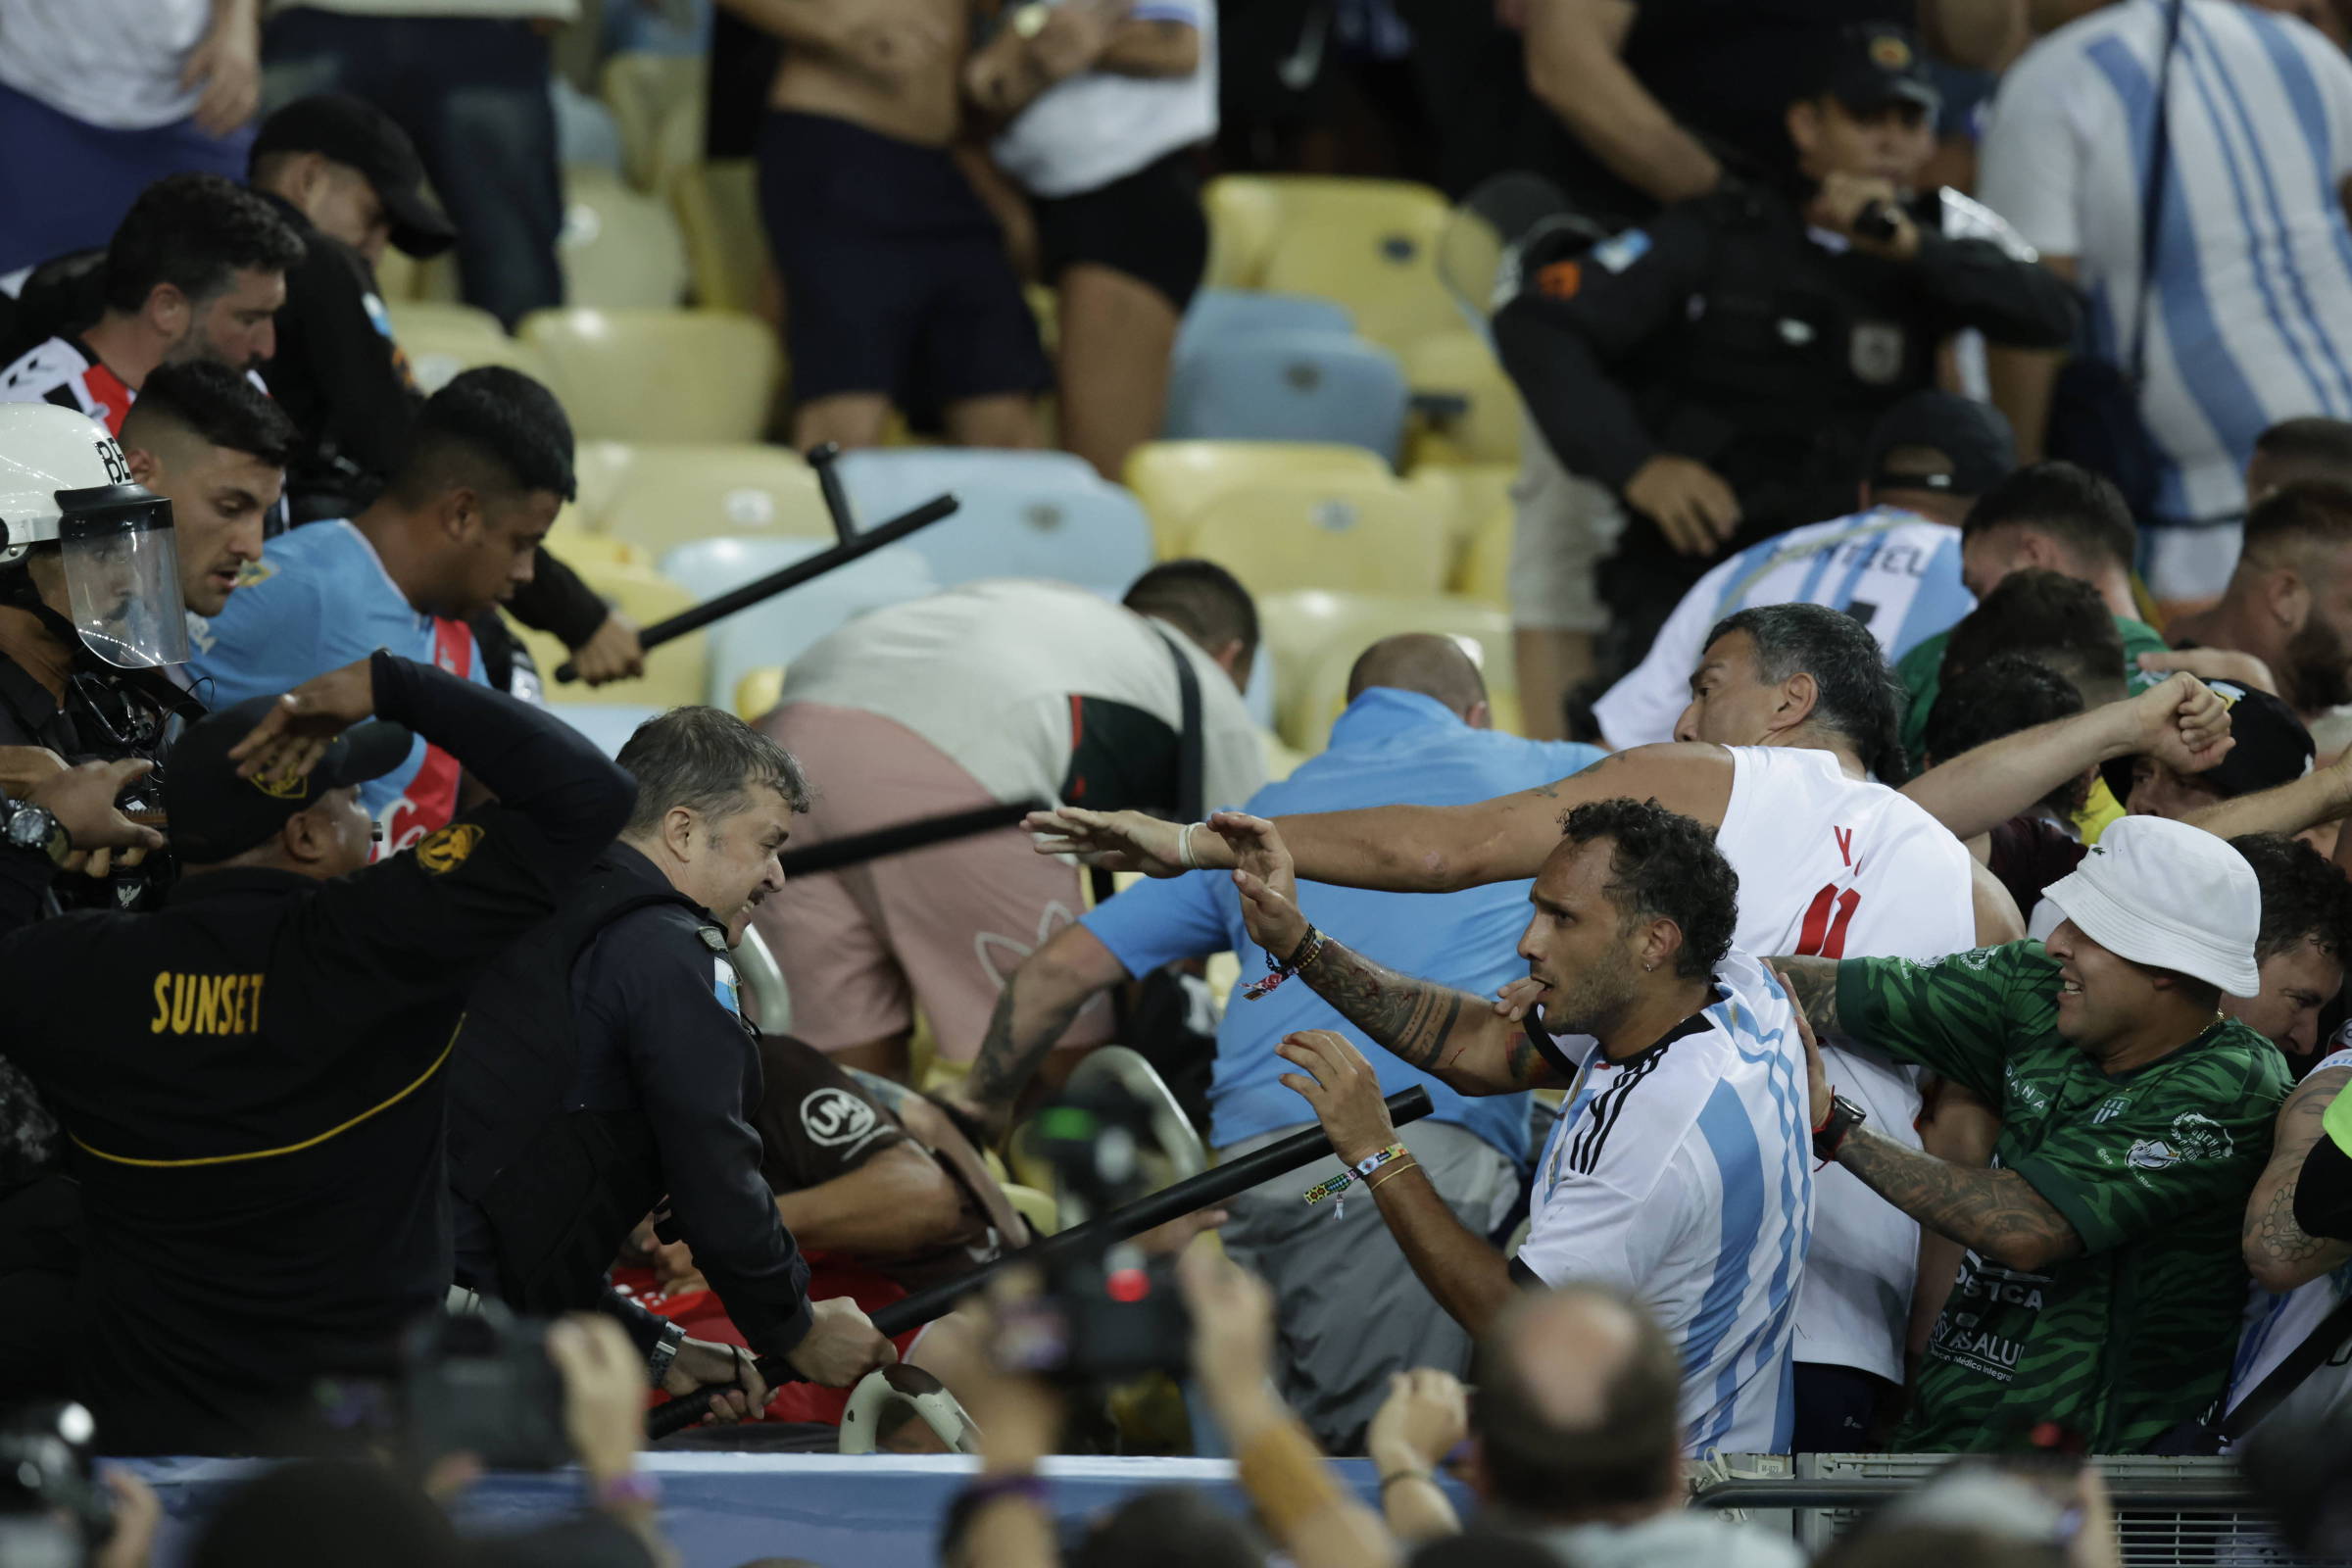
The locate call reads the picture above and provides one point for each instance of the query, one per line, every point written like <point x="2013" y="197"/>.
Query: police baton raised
<point x="1205" y="1191"/>
<point x="850" y="546"/>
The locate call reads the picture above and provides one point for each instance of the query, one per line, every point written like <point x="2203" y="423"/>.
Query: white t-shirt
<point x="1685" y="1175"/>
<point x="1893" y="570"/>
<point x="112" y="64"/>
<point x="986" y="673"/>
<point x="1839" y="867"/>
<point x="2277" y="1325"/>
<point x="2251" y="319"/>
<point x="1099" y="127"/>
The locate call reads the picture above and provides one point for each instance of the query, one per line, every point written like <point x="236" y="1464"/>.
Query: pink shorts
<point x="944" y="926"/>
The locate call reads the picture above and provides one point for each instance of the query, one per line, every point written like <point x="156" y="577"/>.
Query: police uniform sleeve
<point x="2199" y="1139"/>
<point x="1564" y="338"/>
<point x="335" y="372"/>
<point x="1951" y="1017"/>
<point x="1974" y="282"/>
<point x="695" y="1075"/>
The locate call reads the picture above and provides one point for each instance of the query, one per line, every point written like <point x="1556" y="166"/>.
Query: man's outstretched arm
<point x="1033" y="1011"/>
<point x="1412" y="849"/>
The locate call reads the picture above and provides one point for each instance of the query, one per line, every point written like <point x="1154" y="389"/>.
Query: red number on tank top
<point x="1824" y="933"/>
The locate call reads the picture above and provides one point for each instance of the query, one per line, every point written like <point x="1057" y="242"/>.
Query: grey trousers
<point x="1348" y="1310"/>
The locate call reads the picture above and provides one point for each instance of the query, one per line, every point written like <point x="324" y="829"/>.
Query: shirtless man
<point x="897" y="284"/>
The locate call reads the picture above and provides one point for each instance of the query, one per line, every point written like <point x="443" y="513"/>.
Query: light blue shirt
<point x="1389" y="748"/>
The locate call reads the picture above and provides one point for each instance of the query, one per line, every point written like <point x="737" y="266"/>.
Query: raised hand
<point x="295" y="733"/>
<point x="1124" y="841"/>
<point x="1266" y="880"/>
<point x="1342" y="1086"/>
<point x="2183" y="723"/>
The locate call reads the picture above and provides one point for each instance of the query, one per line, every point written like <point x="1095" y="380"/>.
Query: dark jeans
<point x="472" y="94"/>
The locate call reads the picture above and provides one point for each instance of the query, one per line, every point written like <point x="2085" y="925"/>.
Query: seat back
<point x="659" y="376"/>
<point x="619" y="248"/>
<point x="440" y="341"/>
<point x="1177" y="480"/>
<point x="674" y="495"/>
<point x="1290" y="386"/>
<point x="774" y="631"/>
<point x="1468" y="410"/>
<point x="1022" y="515"/>
<point x="675" y="672"/>
<point x="1219" y="314"/>
<point x="1244" y="213"/>
<point x="1371" y="245"/>
<point x="1348" y="535"/>
<point x="726" y="248"/>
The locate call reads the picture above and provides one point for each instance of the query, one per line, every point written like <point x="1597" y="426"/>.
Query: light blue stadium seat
<point x="885" y="481"/>
<point x="608" y="725"/>
<point x="1219" y="315"/>
<point x="1290" y="386"/>
<point x="775" y="631"/>
<point x="1024" y="514"/>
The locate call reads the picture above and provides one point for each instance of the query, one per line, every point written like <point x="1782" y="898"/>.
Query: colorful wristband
<point x="1362" y="1168"/>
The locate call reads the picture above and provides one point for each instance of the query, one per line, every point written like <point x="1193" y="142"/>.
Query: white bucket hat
<point x="2172" y="897"/>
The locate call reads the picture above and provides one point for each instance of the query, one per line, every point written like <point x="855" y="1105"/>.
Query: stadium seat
<point x="575" y="544"/>
<point x="1468" y="495"/>
<point x="1314" y="638"/>
<point x="674" y="495"/>
<point x="1023" y="515"/>
<point x="659" y="376"/>
<point x="1465" y="408"/>
<point x="400" y="277"/>
<point x="726" y="250"/>
<point x="619" y="248"/>
<point x="756" y="692"/>
<point x="1370" y="244"/>
<point x="441" y="341"/>
<point x="645" y="90"/>
<point x="674" y="672"/>
<point x="1352" y="535"/>
<point x="1219" y="314"/>
<point x="1177" y="480"/>
<point x="1244" y="211"/>
<point x="1290" y="386"/>
<point x="597" y="467"/>
<point x="608" y="725"/>
<point x="776" y="630"/>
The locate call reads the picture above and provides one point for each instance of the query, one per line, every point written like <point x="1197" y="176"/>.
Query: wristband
<point x="986" y="1490"/>
<point x="631" y="1489"/>
<point x="1309" y="948"/>
<point x="1362" y="1168"/>
<point x="657" y="1364"/>
<point x="1184" y="847"/>
<point x="1394" y="1477"/>
<point x="1373" y="1186"/>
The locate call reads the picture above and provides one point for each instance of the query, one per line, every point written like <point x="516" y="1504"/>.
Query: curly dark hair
<point x="195" y="232"/>
<point x="2303" y="895"/>
<point x="1663" y="866"/>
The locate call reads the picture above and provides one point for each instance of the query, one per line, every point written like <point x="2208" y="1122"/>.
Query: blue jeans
<point x="472" y="94"/>
<point x="63" y="185"/>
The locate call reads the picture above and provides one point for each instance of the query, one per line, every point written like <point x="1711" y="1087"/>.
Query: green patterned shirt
<point x="2152" y="1169"/>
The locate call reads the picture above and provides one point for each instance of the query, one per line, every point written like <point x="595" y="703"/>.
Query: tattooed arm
<point x="2280" y="1254"/>
<point x="1455" y="1036"/>
<point x="1033" y="1009"/>
<point x="1813" y="985"/>
<point x="1996" y="1212"/>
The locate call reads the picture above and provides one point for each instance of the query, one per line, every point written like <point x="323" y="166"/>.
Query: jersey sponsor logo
<point x="111" y="455"/>
<point x="2110" y="1109"/>
<point x="254" y="572"/>
<point x="206" y="1004"/>
<point x="2191" y="1138"/>
<point x="1622" y="251"/>
<point x="441" y="852"/>
<point x="832" y="1118"/>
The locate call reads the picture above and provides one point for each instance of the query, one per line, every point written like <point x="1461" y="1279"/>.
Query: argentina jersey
<point x="317" y="600"/>
<point x="1685" y="1175"/>
<point x="1896" y="572"/>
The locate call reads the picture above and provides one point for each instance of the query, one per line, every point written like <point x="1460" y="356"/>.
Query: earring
<point x="1645" y="969"/>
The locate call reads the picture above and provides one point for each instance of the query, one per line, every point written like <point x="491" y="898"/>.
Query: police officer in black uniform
<point x="1722" y="367"/>
<point x="252" y="1078"/>
<point x="605" y="1070"/>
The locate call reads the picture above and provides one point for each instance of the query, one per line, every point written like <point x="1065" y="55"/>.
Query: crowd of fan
<point x="2072" y="1067"/>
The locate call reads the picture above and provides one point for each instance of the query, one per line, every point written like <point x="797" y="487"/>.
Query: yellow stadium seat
<point x="646" y="91"/>
<point x="573" y="541"/>
<point x="1458" y="366"/>
<point x="1483" y="569"/>
<point x="1176" y="479"/>
<point x="597" y="469"/>
<point x="400" y="277"/>
<point x="1315" y="638"/>
<point x="674" y="495"/>
<point x="1370" y="244"/>
<point x="756" y="692"/>
<point x="1466" y="495"/>
<point x="674" y="672"/>
<point x="619" y="248"/>
<point x="1244" y="211"/>
<point x="1325" y="532"/>
<point x="726" y="250"/>
<point x="442" y="340"/>
<point x="659" y="376"/>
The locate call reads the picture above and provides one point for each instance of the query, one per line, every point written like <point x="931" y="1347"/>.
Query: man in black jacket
<point x="607" y="1071"/>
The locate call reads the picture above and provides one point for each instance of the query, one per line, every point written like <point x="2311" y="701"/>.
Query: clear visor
<point x="122" y="565"/>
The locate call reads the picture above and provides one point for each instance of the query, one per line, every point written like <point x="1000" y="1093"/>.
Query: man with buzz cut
<point x="2102" y="1287"/>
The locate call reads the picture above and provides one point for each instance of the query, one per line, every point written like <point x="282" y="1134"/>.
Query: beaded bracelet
<point x="1362" y="1168"/>
<point x="1309" y="948"/>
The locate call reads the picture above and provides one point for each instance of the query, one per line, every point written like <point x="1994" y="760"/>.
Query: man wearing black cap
<point x="252" y="1078"/>
<point x="1895" y="566"/>
<point x="1721" y="367"/>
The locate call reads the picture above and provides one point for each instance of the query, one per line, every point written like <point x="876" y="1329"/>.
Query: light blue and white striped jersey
<point x="1685" y="1175"/>
<point x="1893" y="570"/>
<point x="2251" y="318"/>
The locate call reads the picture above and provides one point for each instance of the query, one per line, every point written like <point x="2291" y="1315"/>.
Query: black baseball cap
<point x="1873" y="64"/>
<point x="212" y="815"/>
<point x="351" y="130"/>
<point x="1974" y="435"/>
<point x="2273" y="747"/>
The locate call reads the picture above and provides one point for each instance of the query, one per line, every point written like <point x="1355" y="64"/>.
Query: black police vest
<point x="559" y="1188"/>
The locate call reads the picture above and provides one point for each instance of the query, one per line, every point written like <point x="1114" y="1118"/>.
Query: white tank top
<point x="1839" y="867"/>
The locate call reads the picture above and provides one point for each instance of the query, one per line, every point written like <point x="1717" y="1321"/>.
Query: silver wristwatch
<point x="657" y="1365"/>
<point x="31" y="827"/>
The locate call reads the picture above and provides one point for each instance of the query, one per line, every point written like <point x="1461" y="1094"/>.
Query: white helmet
<point x="64" y="481"/>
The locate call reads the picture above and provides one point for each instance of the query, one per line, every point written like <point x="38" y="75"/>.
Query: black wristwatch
<point x="1843" y="1117"/>
<point x="665" y="1351"/>
<point x="31" y="827"/>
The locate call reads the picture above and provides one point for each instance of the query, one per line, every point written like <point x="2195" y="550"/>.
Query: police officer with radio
<point x="605" y="1070"/>
<point x="1721" y="366"/>
<point x="251" y="1078"/>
